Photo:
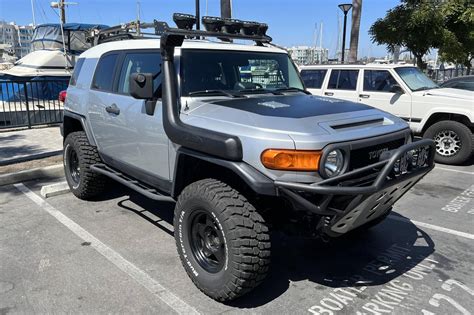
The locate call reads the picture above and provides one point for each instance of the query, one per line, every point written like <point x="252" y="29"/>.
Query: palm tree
<point x="356" y="14"/>
<point x="226" y="8"/>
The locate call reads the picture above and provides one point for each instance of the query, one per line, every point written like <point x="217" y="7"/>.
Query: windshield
<point x="415" y="79"/>
<point x="230" y="72"/>
<point x="50" y="38"/>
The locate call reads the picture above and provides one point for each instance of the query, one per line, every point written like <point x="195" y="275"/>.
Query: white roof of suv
<point x="99" y="50"/>
<point x="356" y="66"/>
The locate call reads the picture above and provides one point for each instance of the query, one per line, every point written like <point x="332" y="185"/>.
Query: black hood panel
<point x="292" y="106"/>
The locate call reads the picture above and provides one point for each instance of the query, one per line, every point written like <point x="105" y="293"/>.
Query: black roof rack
<point x="223" y="29"/>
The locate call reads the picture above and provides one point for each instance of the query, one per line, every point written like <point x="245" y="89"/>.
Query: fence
<point x="440" y="76"/>
<point x="31" y="102"/>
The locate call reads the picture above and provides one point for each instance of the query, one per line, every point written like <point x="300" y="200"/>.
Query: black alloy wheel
<point x="207" y="242"/>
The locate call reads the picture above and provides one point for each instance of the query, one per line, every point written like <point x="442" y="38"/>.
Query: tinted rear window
<point x="343" y="79"/>
<point x="104" y="73"/>
<point x="313" y="79"/>
<point x="77" y="69"/>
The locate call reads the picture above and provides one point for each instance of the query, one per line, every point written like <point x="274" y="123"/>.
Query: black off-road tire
<point x="88" y="184"/>
<point x="243" y="231"/>
<point x="465" y="136"/>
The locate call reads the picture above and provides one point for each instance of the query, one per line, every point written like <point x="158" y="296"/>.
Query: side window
<point x="104" y="73"/>
<point x="378" y="81"/>
<point x="343" y="80"/>
<point x="143" y="62"/>
<point x="77" y="69"/>
<point x="313" y="79"/>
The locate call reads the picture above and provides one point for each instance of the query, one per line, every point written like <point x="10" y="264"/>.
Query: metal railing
<point x="31" y="102"/>
<point x="439" y="76"/>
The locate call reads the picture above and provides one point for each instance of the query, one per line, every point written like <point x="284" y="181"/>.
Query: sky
<point x="291" y="22"/>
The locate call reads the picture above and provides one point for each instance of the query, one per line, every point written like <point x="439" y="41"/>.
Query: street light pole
<point x="345" y="9"/>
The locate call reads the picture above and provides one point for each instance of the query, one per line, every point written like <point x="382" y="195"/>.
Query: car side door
<point x="114" y="135"/>
<point x="313" y="80"/>
<point x="381" y="90"/>
<point x="342" y="84"/>
<point x="151" y="157"/>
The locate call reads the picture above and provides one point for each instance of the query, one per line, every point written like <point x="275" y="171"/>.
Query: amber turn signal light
<point x="291" y="160"/>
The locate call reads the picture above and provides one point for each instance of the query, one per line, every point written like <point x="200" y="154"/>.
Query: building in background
<point x="307" y="55"/>
<point x="16" y="39"/>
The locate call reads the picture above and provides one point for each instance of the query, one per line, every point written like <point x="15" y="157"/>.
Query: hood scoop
<point x="356" y="123"/>
<point x="364" y="123"/>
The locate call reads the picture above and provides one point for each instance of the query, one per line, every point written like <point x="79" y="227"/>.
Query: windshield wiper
<point x="292" y="89"/>
<point x="215" y="92"/>
<point x="260" y="90"/>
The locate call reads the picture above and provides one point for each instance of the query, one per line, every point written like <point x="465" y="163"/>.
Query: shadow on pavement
<point x="363" y="258"/>
<point x="369" y="258"/>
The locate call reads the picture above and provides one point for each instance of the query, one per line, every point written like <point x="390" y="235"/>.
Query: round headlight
<point x="334" y="163"/>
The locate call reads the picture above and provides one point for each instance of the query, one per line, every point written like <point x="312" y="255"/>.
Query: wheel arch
<point x="75" y="122"/>
<point x="441" y="116"/>
<point x="192" y="166"/>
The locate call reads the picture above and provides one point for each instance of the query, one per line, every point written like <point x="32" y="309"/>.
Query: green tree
<point x="458" y="35"/>
<point x="414" y="24"/>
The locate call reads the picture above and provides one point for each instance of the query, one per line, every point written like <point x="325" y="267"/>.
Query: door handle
<point x="113" y="109"/>
<point x="329" y="93"/>
<point x="364" y="95"/>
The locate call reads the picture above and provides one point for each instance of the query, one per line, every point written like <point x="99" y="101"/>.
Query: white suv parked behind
<point x="443" y="114"/>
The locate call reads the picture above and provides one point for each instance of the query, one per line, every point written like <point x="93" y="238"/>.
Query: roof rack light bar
<point x="226" y="29"/>
<point x="222" y="28"/>
<point x="184" y="21"/>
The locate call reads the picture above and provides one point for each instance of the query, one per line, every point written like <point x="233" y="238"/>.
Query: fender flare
<point x="257" y="181"/>
<point x="85" y="125"/>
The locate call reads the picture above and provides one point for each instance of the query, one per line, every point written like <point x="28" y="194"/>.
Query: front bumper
<point x="362" y="195"/>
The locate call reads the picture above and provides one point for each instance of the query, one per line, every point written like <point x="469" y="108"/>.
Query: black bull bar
<point x="352" y="199"/>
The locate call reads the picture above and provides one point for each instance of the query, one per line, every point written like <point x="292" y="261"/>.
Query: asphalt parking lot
<point x="118" y="254"/>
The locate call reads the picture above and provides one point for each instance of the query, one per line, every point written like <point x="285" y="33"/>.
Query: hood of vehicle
<point x="451" y="93"/>
<point x="290" y="114"/>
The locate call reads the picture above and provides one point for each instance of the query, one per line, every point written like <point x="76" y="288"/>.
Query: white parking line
<point x="130" y="269"/>
<point x="434" y="227"/>
<point x="455" y="171"/>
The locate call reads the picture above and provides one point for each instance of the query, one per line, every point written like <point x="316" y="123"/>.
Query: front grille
<point x="370" y="155"/>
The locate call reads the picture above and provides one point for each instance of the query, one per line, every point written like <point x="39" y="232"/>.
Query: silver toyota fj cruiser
<point x="230" y="133"/>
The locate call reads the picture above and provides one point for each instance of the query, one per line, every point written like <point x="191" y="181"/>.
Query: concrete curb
<point x="50" y="172"/>
<point x="54" y="189"/>
<point x="31" y="157"/>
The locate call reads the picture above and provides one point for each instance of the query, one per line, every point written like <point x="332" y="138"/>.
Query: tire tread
<point x="247" y="235"/>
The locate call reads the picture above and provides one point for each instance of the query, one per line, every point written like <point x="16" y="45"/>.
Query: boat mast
<point x="33" y="12"/>
<point x="62" y="10"/>
<point x="138" y="17"/>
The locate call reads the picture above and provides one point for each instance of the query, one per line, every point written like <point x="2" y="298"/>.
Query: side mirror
<point x="141" y="86"/>
<point x="396" y="88"/>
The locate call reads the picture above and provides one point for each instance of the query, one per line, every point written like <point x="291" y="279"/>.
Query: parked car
<point x="235" y="154"/>
<point x="445" y="115"/>
<point x="463" y="83"/>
